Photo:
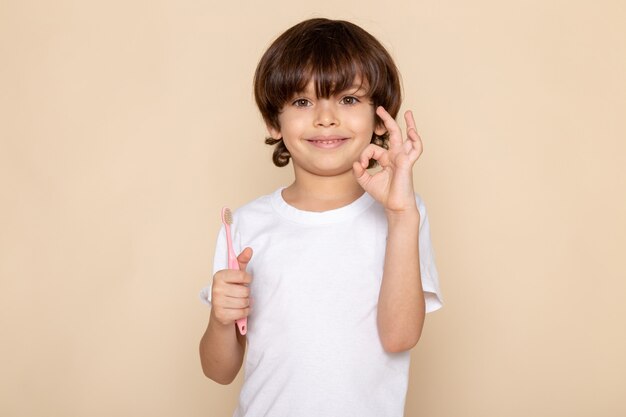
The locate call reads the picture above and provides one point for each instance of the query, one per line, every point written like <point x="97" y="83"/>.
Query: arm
<point x="221" y="351"/>
<point x="401" y="304"/>
<point x="222" y="347"/>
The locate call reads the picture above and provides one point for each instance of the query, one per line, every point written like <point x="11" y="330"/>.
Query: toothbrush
<point x="227" y="219"/>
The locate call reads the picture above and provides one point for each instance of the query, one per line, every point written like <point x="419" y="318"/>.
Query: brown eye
<point x="301" y="102"/>
<point x="350" y="100"/>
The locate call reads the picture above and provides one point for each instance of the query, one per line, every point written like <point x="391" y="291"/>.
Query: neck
<point x="318" y="193"/>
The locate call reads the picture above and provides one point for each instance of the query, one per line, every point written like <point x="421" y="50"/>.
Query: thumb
<point x="243" y="258"/>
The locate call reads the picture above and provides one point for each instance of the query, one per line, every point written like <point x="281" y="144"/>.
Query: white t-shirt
<point x="313" y="345"/>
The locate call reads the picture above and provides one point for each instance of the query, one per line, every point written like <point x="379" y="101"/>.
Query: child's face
<point x="325" y="136"/>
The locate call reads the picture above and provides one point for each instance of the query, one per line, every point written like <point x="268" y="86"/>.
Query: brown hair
<point x="332" y="53"/>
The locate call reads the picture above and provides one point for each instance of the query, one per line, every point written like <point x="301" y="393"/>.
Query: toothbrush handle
<point x="242" y="324"/>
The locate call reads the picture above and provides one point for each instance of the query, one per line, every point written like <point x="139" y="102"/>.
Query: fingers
<point x="395" y="135"/>
<point x="410" y="123"/>
<point x="413" y="146"/>
<point x="230" y="295"/>
<point x="235" y="302"/>
<point x="233" y="276"/>
<point x="361" y="174"/>
<point x="233" y="290"/>
<point x="370" y="152"/>
<point x="228" y="316"/>
<point x="230" y="292"/>
<point x="231" y="299"/>
<point x="411" y="130"/>
<point x="374" y="152"/>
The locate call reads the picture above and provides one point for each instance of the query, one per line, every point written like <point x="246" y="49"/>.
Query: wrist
<point x="407" y="217"/>
<point x="217" y="325"/>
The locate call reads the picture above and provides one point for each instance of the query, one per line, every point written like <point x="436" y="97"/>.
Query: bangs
<point x="332" y="68"/>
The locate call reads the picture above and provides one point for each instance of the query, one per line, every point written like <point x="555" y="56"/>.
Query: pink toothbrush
<point x="227" y="219"/>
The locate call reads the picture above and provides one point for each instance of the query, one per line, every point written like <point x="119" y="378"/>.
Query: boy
<point x="343" y="271"/>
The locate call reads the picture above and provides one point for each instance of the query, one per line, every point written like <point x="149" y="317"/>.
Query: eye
<point x="301" y="102"/>
<point x="350" y="100"/>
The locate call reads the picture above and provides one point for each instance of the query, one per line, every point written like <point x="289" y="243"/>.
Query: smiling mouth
<point x="327" y="142"/>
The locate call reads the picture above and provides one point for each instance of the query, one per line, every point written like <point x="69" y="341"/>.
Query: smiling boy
<point x="343" y="270"/>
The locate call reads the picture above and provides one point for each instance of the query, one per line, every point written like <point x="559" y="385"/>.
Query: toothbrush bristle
<point x="227" y="215"/>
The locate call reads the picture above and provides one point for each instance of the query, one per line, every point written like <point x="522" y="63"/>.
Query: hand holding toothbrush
<point x="230" y="295"/>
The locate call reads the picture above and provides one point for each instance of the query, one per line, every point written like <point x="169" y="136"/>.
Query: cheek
<point x="293" y="125"/>
<point x="362" y="120"/>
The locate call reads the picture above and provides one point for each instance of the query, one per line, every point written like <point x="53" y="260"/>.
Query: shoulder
<point x="260" y="206"/>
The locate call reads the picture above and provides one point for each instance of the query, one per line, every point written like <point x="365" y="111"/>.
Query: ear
<point x="274" y="133"/>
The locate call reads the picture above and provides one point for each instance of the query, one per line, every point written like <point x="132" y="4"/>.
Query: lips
<point x="327" y="142"/>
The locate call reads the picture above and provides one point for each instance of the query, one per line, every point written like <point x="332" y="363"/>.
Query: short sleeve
<point x="220" y="259"/>
<point x="428" y="269"/>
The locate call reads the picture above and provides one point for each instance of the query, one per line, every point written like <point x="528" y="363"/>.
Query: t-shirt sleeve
<point x="428" y="269"/>
<point x="220" y="260"/>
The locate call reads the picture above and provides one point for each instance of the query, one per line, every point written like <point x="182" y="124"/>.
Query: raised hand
<point x="392" y="186"/>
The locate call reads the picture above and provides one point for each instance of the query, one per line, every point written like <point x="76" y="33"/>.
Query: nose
<point x="326" y="114"/>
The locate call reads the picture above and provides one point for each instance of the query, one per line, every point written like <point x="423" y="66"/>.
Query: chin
<point x="331" y="171"/>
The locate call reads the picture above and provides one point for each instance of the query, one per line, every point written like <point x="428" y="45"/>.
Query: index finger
<point x="395" y="135"/>
<point x="233" y="276"/>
